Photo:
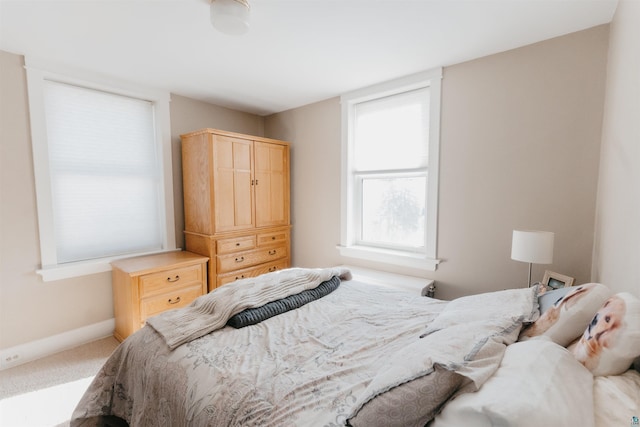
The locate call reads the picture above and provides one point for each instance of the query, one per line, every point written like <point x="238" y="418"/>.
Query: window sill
<point x="385" y="256"/>
<point x="83" y="268"/>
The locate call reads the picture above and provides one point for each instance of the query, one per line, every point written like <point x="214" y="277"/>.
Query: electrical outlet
<point x="8" y="360"/>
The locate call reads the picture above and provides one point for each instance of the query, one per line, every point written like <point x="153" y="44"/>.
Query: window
<point x="390" y="171"/>
<point x="101" y="173"/>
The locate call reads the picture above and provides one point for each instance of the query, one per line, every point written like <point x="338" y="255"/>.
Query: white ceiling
<point x="296" y="51"/>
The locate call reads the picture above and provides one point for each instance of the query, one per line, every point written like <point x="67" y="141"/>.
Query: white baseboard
<point x="33" y="350"/>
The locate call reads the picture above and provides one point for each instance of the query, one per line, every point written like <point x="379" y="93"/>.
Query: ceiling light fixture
<point x="230" y="16"/>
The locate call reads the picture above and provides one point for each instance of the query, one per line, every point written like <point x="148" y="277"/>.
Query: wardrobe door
<point x="271" y="184"/>
<point x="232" y="180"/>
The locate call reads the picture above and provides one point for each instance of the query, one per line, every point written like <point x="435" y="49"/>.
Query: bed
<point x="311" y="347"/>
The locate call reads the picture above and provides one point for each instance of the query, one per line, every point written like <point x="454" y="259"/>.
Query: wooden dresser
<point x="148" y="285"/>
<point x="236" y="203"/>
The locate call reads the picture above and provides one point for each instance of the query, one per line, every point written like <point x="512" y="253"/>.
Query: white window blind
<point x="105" y="176"/>
<point x="392" y="132"/>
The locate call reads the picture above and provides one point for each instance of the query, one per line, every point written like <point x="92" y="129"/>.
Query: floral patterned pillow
<point x="611" y="341"/>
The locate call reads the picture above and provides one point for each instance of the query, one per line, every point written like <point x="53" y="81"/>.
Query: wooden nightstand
<point x="148" y="285"/>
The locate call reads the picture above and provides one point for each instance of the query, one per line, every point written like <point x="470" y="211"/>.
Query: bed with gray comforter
<point x="358" y="354"/>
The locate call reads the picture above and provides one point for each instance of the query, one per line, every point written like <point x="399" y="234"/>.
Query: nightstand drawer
<point x="236" y="244"/>
<point x="180" y="297"/>
<point x="227" y="263"/>
<point x="178" y="277"/>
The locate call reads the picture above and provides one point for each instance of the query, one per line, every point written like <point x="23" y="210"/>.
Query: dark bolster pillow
<point x="251" y="316"/>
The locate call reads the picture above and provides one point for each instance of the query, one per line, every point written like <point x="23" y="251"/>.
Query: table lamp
<point x="533" y="247"/>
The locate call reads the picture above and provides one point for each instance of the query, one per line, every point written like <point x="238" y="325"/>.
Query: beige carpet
<point x="44" y="392"/>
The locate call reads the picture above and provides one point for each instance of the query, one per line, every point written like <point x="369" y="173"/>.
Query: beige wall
<point x="520" y="140"/>
<point x="31" y="309"/>
<point x="314" y="133"/>
<point x="617" y="248"/>
<point x="520" y="146"/>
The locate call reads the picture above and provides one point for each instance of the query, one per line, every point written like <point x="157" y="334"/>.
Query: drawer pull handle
<point x="237" y="243"/>
<point x="273" y="237"/>
<point x="240" y="277"/>
<point x="175" y="279"/>
<point x="272" y="269"/>
<point x="174" y="301"/>
<point x="272" y="252"/>
<point x="240" y="259"/>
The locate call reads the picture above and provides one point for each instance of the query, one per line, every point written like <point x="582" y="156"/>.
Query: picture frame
<point x="553" y="280"/>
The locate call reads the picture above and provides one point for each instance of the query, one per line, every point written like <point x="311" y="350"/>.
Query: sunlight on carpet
<point x="47" y="407"/>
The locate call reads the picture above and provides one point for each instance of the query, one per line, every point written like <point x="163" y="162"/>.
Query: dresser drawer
<point x="179" y="297"/>
<point x="163" y="281"/>
<point x="235" y="244"/>
<point x="223" y="279"/>
<point x="272" y="238"/>
<point x="241" y="260"/>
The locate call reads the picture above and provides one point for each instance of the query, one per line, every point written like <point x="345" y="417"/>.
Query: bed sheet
<point x="617" y="399"/>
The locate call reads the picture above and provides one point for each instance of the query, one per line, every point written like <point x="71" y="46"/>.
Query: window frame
<point x="350" y="209"/>
<point x="38" y="72"/>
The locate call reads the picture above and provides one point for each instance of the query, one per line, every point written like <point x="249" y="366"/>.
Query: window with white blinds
<point x="391" y="146"/>
<point x="102" y="168"/>
<point x="105" y="175"/>
<point x="391" y="143"/>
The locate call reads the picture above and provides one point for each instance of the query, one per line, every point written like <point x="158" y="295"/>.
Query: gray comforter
<point x="362" y="355"/>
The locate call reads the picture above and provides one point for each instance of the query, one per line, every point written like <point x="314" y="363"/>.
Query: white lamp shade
<point x="532" y="246"/>
<point x="230" y="16"/>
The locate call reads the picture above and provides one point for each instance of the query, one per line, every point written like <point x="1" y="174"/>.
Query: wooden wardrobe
<point x="236" y="203"/>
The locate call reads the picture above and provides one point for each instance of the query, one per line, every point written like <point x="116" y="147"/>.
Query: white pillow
<point x="538" y="383"/>
<point x="517" y="304"/>
<point x="566" y="319"/>
<point x="612" y="339"/>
